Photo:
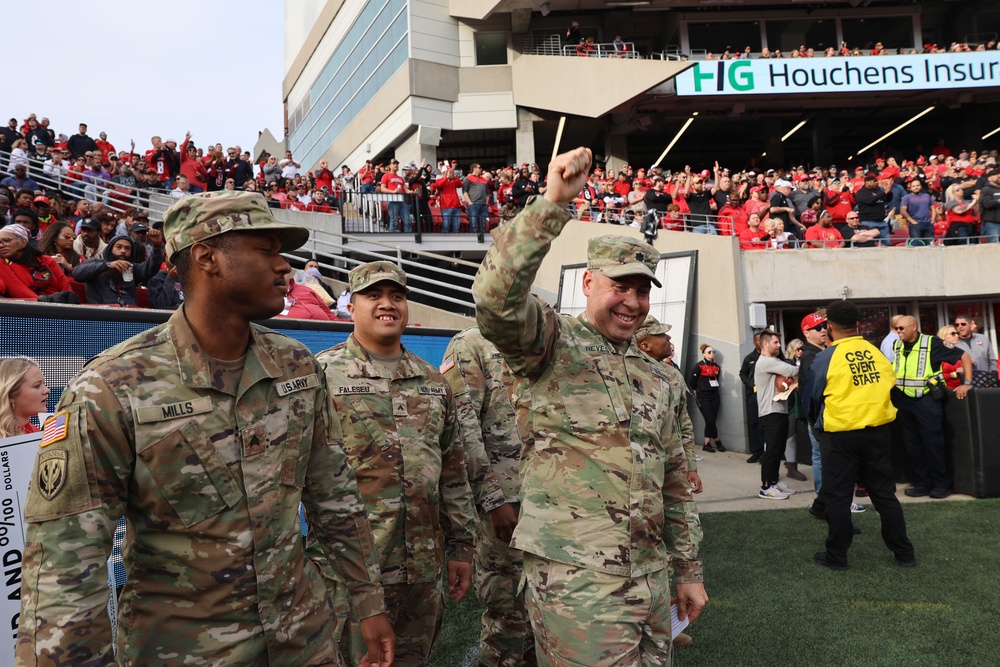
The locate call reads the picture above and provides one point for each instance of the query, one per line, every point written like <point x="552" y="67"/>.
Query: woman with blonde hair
<point x="23" y="393"/>
<point x="952" y="372"/>
<point x="793" y="354"/>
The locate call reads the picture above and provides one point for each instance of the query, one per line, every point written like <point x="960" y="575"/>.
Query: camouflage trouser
<point x="415" y="611"/>
<point x="584" y="617"/>
<point x="506" y="639"/>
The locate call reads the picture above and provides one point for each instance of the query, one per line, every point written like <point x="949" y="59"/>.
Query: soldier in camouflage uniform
<point x="401" y="438"/>
<point x="205" y="432"/>
<point x="653" y="339"/>
<point x="476" y="372"/>
<point x="604" y="496"/>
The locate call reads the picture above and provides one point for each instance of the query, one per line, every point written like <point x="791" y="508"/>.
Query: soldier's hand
<point x="695" y="481"/>
<point x="504" y="520"/>
<point x="381" y="641"/>
<point x="691" y="599"/>
<point x="567" y="176"/>
<point x="459" y="579"/>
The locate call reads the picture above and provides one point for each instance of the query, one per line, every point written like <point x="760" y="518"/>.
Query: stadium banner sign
<point x="784" y="76"/>
<point x="17" y="458"/>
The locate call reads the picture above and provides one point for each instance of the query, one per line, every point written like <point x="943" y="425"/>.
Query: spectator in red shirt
<point x="838" y="200"/>
<point x="733" y="217"/>
<point x="104" y="146"/>
<point x="319" y="202"/>
<point x="759" y="201"/>
<point x="40" y="273"/>
<point x="394" y="185"/>
<point x="366" y="178"/>
<point x="324" y="177"/>
<point x="192" y="167"/>
<point x="302" y="303"/>
<point x="823" y="234"/>
<point x="451" y="206"/>
<point x="752" y="237"/>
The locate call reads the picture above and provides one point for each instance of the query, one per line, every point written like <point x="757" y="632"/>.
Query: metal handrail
<point x="103" y="190"/>
<point x="602" y="50"/>
<point x="444" y="278"/>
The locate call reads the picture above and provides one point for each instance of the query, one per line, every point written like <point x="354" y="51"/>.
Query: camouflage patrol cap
<point x="619" y="256"/>
<point x="198" y="217"/>
<point x="651" y="327"/>
<point x="364" y="276"/>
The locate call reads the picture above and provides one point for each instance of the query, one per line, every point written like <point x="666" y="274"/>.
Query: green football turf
<point x="771" y="605"/>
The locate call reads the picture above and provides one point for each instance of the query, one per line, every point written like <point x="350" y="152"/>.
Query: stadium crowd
<point x="945" y="197"/>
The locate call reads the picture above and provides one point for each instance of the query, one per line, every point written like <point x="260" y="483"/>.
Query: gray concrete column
<point x="411" y="150"/>
<point x="524" y="136"/>
<point x="615" y="152"/>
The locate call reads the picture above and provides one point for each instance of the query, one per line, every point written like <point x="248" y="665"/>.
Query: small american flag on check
<point x="54" y="429"/>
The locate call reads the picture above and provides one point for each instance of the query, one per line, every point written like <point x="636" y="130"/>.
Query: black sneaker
<point x="754" y="458"/>
<point x="718" y="445"/>
<point x="861" y="492"/>
<point x="910" y="561"/>
<point x="917" y="492"/>
<point x="823" y="558"/>
<point x="708" y="448"/>
<point x="940" y="493"/>
<point x="818" y="513"/>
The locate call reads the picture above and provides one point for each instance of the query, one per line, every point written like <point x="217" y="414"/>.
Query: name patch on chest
<point x="354" y="389"/>
<point x="159" y="413"/>
<point x="432" y="391"/>
<point x="602" y="349"/>
<point x="286" y="387"/>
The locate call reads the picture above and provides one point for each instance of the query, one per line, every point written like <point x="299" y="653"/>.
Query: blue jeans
<point x="921" y="233"/>
<point x="883" y="229"/>
<point x="705" y="228"/>
<point x="397" y="210"/>
<point x="367" y="188"/>
<point x="450" y="219"/>
<point x="990" y="232"/>
<point x="477" y="218"/>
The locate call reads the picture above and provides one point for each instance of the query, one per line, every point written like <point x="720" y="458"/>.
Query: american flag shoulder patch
<point x="54" y="428"/>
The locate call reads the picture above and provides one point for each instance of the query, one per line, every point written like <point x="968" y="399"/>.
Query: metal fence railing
<point x="602" y="50"/>
<point x="432" y="276"/>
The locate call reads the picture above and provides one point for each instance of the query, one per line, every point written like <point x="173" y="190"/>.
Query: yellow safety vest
<point x="914" y="371"/>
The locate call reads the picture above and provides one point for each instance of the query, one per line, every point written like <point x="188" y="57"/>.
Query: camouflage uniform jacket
<point x="604" y="477"/>
<point x="476" y="372"/>
<point x="401" y="438"/>
<point x="679" y="396"/>
<point x="209" y="478"/>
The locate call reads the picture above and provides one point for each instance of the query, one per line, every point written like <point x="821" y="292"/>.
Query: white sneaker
<point x="784" y="489"/>
<point x="772" y="493"/>
<point x="699" y="457"/>
<point x="858" y="509"/>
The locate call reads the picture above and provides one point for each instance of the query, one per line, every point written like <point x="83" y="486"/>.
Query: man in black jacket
<point x="80" y="143"/>
<point x="871" y="200"/>
<point x="111" y="278"/>
<point x="754" y="433"/>
<point x="989" y="205"/>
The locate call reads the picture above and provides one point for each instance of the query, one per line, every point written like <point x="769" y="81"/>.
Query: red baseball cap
<point x="42" y="200"/>
<point x="705" y="173"/>
<point x="811" y="321"/>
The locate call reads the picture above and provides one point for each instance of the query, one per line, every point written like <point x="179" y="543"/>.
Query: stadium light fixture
<point x="990" y="134"/>
<point x="896" y="129"/>
<point x="562" y="124"/>
<point x="794" y="130"/>
<point x="673" y="141"/>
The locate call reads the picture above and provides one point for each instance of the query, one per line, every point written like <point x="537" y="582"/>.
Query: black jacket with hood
<point x="105" y="285"/>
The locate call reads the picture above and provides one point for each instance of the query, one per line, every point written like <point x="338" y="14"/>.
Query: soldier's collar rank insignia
<point x="54" y="429"/>
<point x="51" y="472"/>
